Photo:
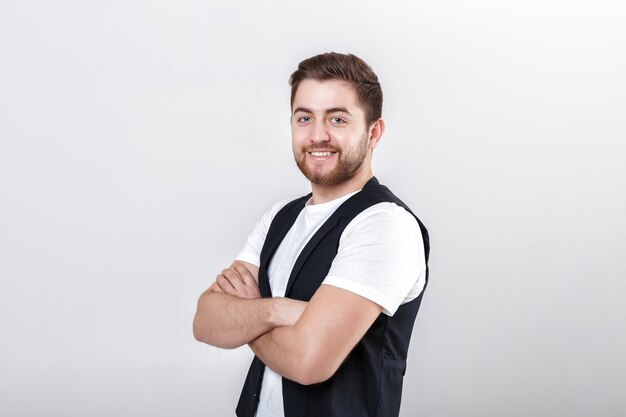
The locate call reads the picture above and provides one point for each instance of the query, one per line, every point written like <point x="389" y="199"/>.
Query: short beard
<point x="345" y="168"/>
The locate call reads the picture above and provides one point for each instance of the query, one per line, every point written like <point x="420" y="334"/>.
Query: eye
<point x="337" y="120"/>
<point x="304" y="119"/>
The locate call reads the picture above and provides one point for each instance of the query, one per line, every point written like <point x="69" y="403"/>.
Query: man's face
<point x="328" y="130"/>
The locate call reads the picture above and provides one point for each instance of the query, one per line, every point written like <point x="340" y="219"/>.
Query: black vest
<point x="369" y="381"/>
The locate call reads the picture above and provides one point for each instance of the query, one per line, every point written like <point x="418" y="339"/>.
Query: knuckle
<point x="241" y="268"/>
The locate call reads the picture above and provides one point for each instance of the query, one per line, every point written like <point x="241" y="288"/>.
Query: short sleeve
<point x="251" y="251"/>
<point x="381" y="257"/>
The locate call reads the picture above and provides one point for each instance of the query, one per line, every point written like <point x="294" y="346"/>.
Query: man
<point x="327" y="287"/>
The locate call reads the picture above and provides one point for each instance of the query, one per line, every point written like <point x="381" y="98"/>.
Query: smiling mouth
<point x="321" y="154"/>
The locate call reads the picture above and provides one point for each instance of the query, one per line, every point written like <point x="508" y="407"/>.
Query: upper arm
<point x="332" y="324"/>
<point x="381" y="257"/>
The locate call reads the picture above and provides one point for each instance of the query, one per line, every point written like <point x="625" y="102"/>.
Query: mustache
<point x="326" y="148"/>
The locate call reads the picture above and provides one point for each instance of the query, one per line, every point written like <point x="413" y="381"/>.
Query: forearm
<point x="295" y="353"/>
<point x="227" y="321"/>
<point x="281" y="350"/>
<point x="312" y="350"/>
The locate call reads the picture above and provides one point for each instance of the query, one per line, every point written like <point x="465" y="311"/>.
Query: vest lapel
<point x="275" y="235"/>
<point x="330" y="224"/>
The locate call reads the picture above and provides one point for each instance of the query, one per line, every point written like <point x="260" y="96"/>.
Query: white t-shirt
<point x="380" y="257"/>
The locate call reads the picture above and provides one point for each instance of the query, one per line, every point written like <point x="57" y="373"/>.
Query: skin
<point x="326" y="115"/>
<point x="231" y="312"/>
<point x="305" y="342"/>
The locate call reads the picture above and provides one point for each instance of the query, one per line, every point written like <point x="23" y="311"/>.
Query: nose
<point x="319" y="133"/>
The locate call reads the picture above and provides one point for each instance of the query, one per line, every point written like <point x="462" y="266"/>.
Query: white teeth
<point x="320" y="153"/>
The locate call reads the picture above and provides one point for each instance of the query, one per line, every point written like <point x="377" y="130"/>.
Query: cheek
<point x="348" y="140"/>
<point x="296" y="145"/>
<point x="298" y="138"/>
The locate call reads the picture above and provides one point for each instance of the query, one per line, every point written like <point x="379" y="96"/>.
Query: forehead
<point x="326" y="94"/>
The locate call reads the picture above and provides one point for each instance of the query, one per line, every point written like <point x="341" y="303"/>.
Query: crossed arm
<point x="305" y="342"/>
<point x="231" y="312"/>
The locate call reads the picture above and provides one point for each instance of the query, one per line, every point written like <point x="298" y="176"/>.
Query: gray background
<point x="141" y="140"/>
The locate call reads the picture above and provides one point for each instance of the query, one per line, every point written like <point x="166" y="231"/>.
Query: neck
<point x="325" y="193"/>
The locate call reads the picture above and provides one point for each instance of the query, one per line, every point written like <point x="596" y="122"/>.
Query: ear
<point x="376" y="131"/>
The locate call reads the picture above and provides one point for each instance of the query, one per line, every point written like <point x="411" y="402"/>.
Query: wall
<point x="140" y="141"/>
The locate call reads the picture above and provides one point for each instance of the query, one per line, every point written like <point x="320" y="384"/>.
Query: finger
<point x="225" y="285"/>
<point x="234" y="278"/>
<point x="215" y="287"/>
<point x="245" y="274"/>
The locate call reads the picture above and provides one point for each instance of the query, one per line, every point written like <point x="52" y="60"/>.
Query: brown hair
<point x="347" y="67"/>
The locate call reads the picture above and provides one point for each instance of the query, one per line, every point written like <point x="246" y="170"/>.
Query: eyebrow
<point x="328" y="111"/>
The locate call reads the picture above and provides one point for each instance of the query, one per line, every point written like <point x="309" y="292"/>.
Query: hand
<point x="216" y="288"/>
<point x="238" y="281"/>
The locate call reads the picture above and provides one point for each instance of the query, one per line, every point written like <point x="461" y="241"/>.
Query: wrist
<point x="278" y="312"/>
<point x="272" y="312"/>
<point x="285" y="311"/>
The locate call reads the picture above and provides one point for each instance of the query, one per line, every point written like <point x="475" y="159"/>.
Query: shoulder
<point x="386" y="218"/>
<point x="266" y="219"/>
<point x="256" y="239"/>
<point x="277" y="207"/>
<point x="269" y="215"/>
<point x="385" y="231"/>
